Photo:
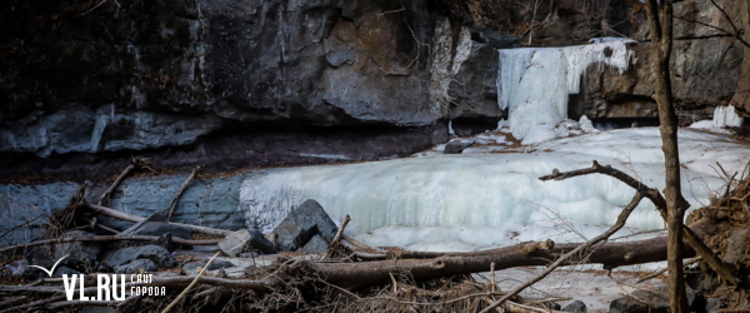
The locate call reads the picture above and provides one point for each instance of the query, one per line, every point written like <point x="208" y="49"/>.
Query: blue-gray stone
<point x="302" y="224"/>
<point x="316" y="245"/>
<point x="159" y="255"/>
<point x="33" y="204"/>
<point x="136" y="266"/>
<point x="211" y="202"/>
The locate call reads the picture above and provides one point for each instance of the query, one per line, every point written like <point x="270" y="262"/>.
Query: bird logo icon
<point x="52" y="270"/>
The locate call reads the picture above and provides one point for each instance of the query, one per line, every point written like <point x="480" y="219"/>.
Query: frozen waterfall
<point x="725" y="116"/>
<point x="534" y="83"/>
<point x="467" y="202"/>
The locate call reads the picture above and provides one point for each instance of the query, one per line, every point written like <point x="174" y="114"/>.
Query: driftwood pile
<point x="352" y="277"/>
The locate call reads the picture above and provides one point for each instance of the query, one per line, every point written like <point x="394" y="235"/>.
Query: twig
<point x="94" y="8"/>
<point x="357" y="243"/>
<point x="182" y="294"/>
<point x="492" y="273"/>
<point x="135" y="219"/>
<point x="173" y="203"/>
<point x="116" y="183"/>
<point x="619" y="224"/>
<point x="657" y="273"/>
<point x="395" y="284"/>
<point x="336" y="238"/>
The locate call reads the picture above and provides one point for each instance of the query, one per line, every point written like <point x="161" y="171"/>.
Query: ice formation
<point x="534" y="83"/>
<point x="725" y="116"/>
<point x="475" y="201"/>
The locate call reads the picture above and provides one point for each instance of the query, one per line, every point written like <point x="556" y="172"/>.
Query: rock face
<point x="33" y="205"/>
<point x="192" y="66"/>
<point x="209" y="202"/>
<point x="706" y="69"/>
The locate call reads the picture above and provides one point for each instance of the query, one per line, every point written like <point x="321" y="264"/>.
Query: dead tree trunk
<point x="661" y="43"/>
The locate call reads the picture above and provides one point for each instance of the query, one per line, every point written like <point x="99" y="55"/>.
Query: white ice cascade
<point x="725" y="116"/>
<point x="534" y="83"/>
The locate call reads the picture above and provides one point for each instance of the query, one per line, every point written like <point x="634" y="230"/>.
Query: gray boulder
<point x="160" y="256"/>
<point x="302" y="224"/>
<point x="316" y="245"/>
<point x="63" y="270"/>
<point x="654" y="301"/>
<point x="80" y="255"/>
<point x="245" y="240"/>
<point x="136" y="266"/>
<point x="456" y="146"/>
<point x="576" y="306"/>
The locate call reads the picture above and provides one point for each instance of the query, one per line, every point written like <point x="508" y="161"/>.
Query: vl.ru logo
<point x="106" y="285"/>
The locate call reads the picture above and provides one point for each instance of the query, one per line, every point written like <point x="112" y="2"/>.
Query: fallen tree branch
<point x="173" y="203"/>
<point x="185" y="291"/>
<point x="135" y="219"/>
<point x="726" y="271"/>
<point x="662" y="271"/>
<point x="621" y="219"/>
<point x="116" y="183"/>
<point x="336" y="238"/>
<point x="107" y="238"/>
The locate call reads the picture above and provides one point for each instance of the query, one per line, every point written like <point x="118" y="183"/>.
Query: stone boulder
<point x="81" y="256"/>
<point x="160" y="256"/>
<point x="302" y="224"/>
<point x="137" y="266"/>
<point x="246" y="240"/>
<point x="654" y="301"/>
<point x="576" y="306"/>
<point x="456" y="146"/>
<point x="316" y="245"/>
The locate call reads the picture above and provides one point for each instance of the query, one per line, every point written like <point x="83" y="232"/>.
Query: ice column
<point x="534" y="83"/>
